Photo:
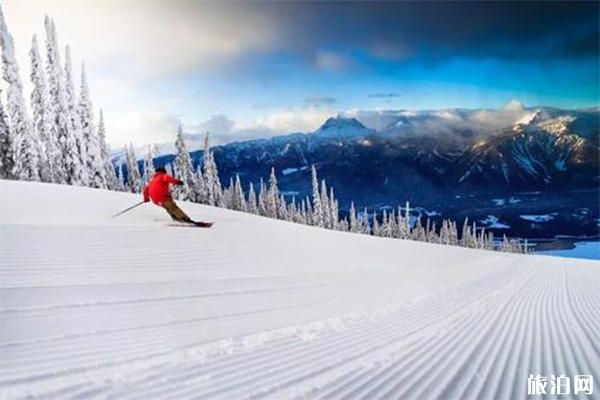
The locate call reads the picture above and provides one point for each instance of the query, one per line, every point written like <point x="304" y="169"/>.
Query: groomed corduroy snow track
<point x="131" y="308"/>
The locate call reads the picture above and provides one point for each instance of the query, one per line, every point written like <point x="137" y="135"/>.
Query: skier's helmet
<point x="161" y="169"/>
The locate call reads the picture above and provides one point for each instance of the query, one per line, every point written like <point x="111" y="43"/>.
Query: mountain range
<point x="541" y="149"/>
<point x="436" y="158"/>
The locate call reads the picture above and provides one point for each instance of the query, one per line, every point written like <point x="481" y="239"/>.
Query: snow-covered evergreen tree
<point x="79" y="173"/>
<point x="148" y="165"/>
<point x="183" y="164"/>
<point x="282" y="210"/>
<point x="353" y="224"/>
<point x="376" y="227"/>
<point x="24" y="139"/>
<point x="317" y="209"/>
<point x="68" y="166"/>
<point x="40" y="106"/>
<point x="325" y="209"/>
<point x="238" y="202"/>
<point x="7" y="161"/>
<point x="364" y="220"/>
<point x="252" y="203"/>
<point x="262" y="198"/>
<point x="200" y="185"/>
<point x="272" y="203"/>
<point x="228" y="195"/>
<point x="170" y="170"/>
<point x="122" y="185"/>
<point x="134" y="179"/>
<point x="334" y="218"/>
<point x="211" y="176"/>
<point x="112" y="182"/>
<point x="91" y="149"/>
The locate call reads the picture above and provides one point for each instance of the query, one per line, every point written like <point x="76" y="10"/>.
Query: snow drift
<point x="136" y="308"/>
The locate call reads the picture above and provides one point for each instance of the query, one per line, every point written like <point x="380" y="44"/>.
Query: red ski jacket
<point x="158" y="188"/>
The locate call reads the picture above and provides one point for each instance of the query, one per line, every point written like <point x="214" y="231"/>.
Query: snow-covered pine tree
<point x="385" y="224"/>
<point x="282" y="211"/>
<point x="200" y="185"/>
<point x="228" y="195"/>
<point x="211" y="176"/>
<point x="418" y="232"/>
<point x="56" y="114"/>
<point x="376" y="227"/>
<point x="344" y="226"/>
<point x="239" y="201"/>
<point x="354" y="225"/>
<point x="308" y="211"/>
<point x="292" y="211"/>
<point x="183" y="163"/>
<point x="403" y="225"/>
<point x="169" y="168"/>
<point x="122" y="185"/>
<point x="444" y="235"/>
<point x="272" y="202"/>
<point x="79" y="175"/>
<point x="112" y="181"/>
<point x="133" y="173"/>
<point x="325" y="207"/>
<point x="68" y="166"/>
<point x="317" y="209"/>
<point x="148" y="165"/>
<point x="304" y="217"/>
<point x="7" y="161"/>
<point x="90" y="144"/>
<point x="262" y="198"/>
<point x="252" y="203"/>
<point x="364" y="222"/>
<point x="334" y="218"/>
<point x="432" y="236"/>
<point x="42" y="120"/>
<point x="25" y="142"/>
<point x="393" y="225"/>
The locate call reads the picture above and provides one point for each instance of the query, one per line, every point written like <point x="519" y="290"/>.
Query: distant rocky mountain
<point x="425" y="154"/>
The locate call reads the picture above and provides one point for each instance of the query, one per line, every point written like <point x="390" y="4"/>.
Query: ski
<point x="193" y="224"/>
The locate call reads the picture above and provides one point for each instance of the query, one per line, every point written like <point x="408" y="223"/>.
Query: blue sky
<point x="254" y="69"/>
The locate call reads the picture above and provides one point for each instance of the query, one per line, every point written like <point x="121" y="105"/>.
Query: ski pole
<point x="128" y="209"/>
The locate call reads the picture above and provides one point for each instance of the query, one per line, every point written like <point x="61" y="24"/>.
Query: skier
<point x="157" y="190"/>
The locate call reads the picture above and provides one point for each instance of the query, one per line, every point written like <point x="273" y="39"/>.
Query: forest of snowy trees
<point x="56" y="140"/>
<point x="321" y="209"/>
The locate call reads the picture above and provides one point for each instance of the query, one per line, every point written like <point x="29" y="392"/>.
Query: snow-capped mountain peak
<point x="342" y="127"/>
<point x="529" y="118"/>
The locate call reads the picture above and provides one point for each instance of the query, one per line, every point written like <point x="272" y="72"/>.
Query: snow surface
<point x="537" y="218"/>
<point x="491" y="221"/>
<point x="133" y="308"/>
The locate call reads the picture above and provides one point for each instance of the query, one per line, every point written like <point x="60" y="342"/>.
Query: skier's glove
<point x="179" y="183"/>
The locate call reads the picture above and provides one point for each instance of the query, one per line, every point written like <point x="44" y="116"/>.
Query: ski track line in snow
<point x="256" y="308"/>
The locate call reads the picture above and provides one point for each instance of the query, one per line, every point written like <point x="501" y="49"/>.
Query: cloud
<point x="142" y="128"/>
<point x="215" y="124"/>
<point x="149" y="38"/>
<point x="385" y="95"/>
<point x="320" y="101"/>
<point x="330" y="61"/>
<point x="294" y="120"/>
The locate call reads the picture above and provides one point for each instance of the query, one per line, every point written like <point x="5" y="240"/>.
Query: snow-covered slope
<point x="135" y="308"/>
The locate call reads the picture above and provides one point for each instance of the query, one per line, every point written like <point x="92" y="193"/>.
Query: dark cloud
<point x="320" y="101"/>
<point x="384" y="95"/>
<point x="432" y="30"/>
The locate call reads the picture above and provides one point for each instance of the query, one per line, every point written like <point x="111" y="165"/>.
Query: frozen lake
<point x="589" y="250"/>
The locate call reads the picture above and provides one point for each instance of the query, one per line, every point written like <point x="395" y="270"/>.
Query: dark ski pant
<point x="175" y="212"/>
